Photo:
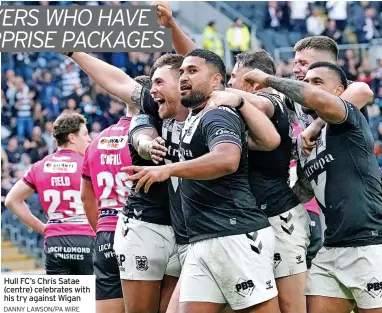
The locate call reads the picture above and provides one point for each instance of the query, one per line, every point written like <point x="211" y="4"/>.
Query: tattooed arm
<point x="302" y="188"/>
<point x="112" y="79"/>
<point x="329" y="107"/>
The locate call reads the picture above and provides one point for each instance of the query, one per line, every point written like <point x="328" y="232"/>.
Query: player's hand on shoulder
<point x="164" y="13"/>
<point x="157" y="149"/>
<point x="226" y="98"/>
<point x="147" y="175"/>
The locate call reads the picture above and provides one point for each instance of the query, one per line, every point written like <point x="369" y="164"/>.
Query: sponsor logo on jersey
<point x="142" y="263"/>
<point x="121" y="258"/>
<point x="374" y="288"/>
<point x="60" y="167"/>
<point x="277" y="259"/>
<point x="244" y="287"/>
<point x="222" y="131"/>
<point x="112" y="143"/>
<point x="317" y="166"/>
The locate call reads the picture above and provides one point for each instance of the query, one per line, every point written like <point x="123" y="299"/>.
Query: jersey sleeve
<point x="139" y="122"/>
<point x="85" y="166"/>
<point x="148" y="105"/>
<point x="352" y="116"/>
<point x="29" y="177"/>
<point x="289" y="103"/>
<point x="222" y="125"/>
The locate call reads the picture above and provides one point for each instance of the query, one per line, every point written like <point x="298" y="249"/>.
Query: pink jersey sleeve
<point x="29" y="177"/>
<point x="85" y="166"/>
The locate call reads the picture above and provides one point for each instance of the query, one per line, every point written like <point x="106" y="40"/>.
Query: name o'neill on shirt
<point x="317" y="166"/>
<point x="110" y="159"/>
<point x="60" y="167"/>
<point x="112" y="143"/>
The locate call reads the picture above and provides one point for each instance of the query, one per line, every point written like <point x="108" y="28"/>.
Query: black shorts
<point x="69" y="255"/>
<point x="108" y="283"/>
<point x="316" y="241"/>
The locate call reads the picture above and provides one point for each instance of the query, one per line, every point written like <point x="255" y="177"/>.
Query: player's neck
<point x="182" y="113"/>
<point x="131" y="111"/>
<point x="66" y="148"/>
<point x="200" y="106"/>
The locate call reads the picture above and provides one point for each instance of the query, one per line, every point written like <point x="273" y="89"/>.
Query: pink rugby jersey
<point x="104" y="158"/>
<point x="57" y="180"/>
<point x="312" y="205"/>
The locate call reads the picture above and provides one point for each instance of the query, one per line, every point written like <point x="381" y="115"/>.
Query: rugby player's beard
<point x="195" y="98"/>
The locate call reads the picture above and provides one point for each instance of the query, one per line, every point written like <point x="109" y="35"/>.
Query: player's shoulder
<point x="350" y="108"/>
<point x="59" y="163"/>
<point x="222" y="111"/>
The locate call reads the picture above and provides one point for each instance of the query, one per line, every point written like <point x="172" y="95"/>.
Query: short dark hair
<point x="67" y="124"/>
<point x="144" y="81"/>
<point x="334" y="68"/>
<point x="174" y="61"/>
<point x="319" y="43"/>
<point x="211" y="58"/>
<point x="259" y="59"/>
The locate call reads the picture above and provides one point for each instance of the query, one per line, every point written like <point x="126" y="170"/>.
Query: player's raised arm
<point x="112" y="79"/>
<point x="15" y="201"/>
<point x="182" y="44"/>
<point x="310" y="93"/>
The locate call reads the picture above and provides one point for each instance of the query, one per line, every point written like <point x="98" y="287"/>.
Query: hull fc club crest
<point x="142" y="263"/>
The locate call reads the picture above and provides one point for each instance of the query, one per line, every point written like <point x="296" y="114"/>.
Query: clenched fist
<point x="164" y="13"/>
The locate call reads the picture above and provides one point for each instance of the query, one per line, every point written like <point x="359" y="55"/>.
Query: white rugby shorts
<point x="145" y="251"/>
<point x="237" y="270"/>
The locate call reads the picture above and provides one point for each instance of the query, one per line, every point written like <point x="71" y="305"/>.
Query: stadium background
<point x="37" y="87"/>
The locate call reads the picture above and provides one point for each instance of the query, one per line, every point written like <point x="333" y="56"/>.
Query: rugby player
<point x="269" y="181"/>
<point x="102" y="181"/>
<point x="232" y="243"/>
<point x="149" y="268"/>
<point x="69" y="239"/>
<point x="269" y="174"/>
<point x="322" y="49"/>
<point x="145" y="240"/>
<point x="307" y="51"/>
<point x="166" y="96"/>
<point x="344" y="174"/>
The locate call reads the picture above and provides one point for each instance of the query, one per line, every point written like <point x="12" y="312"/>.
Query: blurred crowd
<point x="37" y="87"/>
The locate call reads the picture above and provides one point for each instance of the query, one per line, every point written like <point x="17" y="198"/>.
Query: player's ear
<point x="71" y="138"/>
<point x="216" y="80"/>
<point x="339" y="90"/>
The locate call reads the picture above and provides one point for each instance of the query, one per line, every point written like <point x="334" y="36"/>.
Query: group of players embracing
<point x="188" y="196"/>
